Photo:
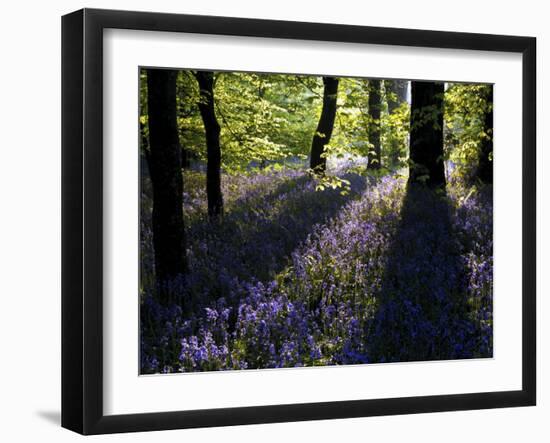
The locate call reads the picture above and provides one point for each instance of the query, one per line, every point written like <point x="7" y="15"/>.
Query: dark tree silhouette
<point x="326" y="124"/>
<point x="374" y="158"/>
<point x="205" y="80"/>
<point x="485" y="168"/>
<point x="166" y="178"/>
<point x="426" y="145"/>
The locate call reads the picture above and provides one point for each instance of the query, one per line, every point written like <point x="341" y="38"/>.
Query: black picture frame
<point x="82" y="218"/>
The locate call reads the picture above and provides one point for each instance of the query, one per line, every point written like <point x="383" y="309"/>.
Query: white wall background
<point x="30" y="219"/>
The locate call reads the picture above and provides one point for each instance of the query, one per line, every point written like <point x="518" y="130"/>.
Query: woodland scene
<point x="299" y="220"/>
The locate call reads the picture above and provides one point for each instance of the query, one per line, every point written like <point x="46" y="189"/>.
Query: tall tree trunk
<point x="166" y="177"/>
<point x="485" y="168"/>
<point x="212" y="131"/>
<point x="326" y="124"/>
<point x="375" y="157"/>
<point x="426" y="162"/>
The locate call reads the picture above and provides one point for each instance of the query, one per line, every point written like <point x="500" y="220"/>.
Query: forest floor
<point x="294" y="276"/>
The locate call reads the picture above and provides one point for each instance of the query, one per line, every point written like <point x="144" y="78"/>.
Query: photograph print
<point x="306" y="220"/>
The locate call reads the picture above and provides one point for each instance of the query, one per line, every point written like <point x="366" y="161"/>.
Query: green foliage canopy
<point x="465" y="109"/>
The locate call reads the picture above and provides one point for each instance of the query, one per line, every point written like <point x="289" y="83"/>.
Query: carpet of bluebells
<point x="293" y="276"/>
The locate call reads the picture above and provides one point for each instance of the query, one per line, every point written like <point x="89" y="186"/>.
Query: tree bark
<point x="485" y="167"/>
<point x="375" y="157"/>
<point x="205" y="80"/>
<point x="166" y="178"/>
<point x="426" y="162"/>
<point x="326" y="124"/>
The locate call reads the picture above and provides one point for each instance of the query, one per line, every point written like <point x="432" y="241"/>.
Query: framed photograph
<point x="269" y="221"/>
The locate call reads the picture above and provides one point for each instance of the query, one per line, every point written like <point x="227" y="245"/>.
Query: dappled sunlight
<point x="259" y="231"/>
<point x="389" y="277"/>
<point x="290" y="220"/>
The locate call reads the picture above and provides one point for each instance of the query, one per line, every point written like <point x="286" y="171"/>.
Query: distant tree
<point x="395" y="92"/>
<point x="469" y="131"/>
<point x="205" y="80"/>
<point x="322" y="136"/>
<point x="426" y="161"/>
<point x="166" y="177"/>
<point x="375" y="105"/>
<point x="181" y="113"/>
<point x="485" y="167"/>
<point x="191" y="128"/>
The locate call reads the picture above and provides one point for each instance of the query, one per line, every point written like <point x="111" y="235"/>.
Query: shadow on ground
<point x="422" y="306"/>
<point x="255" y="243"/>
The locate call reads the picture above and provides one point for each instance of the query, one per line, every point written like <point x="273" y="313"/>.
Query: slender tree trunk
<point x="375" y="157"/>
<point x="185" y="163"/>
<point x="166" y="177"/>
<point x="326" y="124"/>
<point x="485" y="168"/>
<point x="212" y="131"/>
<point x="426" y="146"/>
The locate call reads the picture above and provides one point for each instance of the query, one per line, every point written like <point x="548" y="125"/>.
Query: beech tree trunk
<point x="485" y="168"/>
<point x="326" y="124"/>
<point x="166" y="178"/>
<point x="205" y="80"/>
<point x="374" y="158"/>
<point x="426" y="162"/>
